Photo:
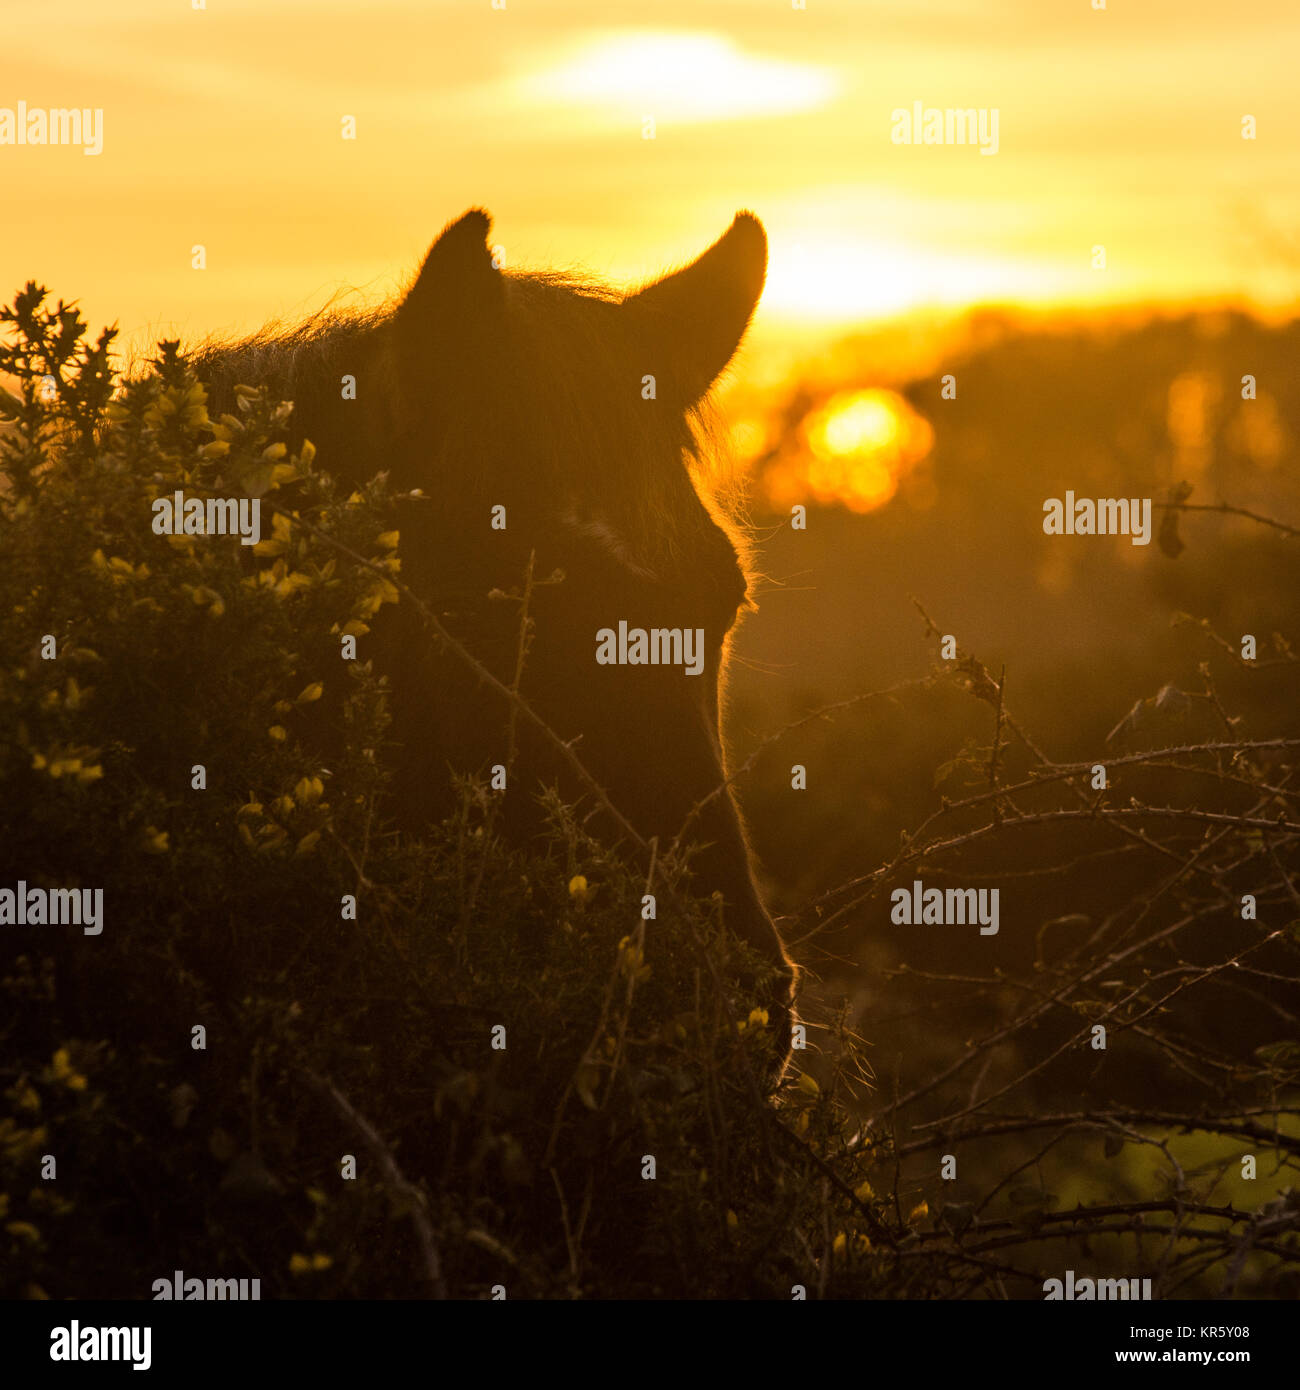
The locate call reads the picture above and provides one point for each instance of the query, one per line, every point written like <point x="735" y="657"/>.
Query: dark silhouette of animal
<point x="571" y="407"/>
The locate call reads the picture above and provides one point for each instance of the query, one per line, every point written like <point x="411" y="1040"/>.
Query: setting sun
<point x="857" y="448"/>
<point x="860" y="423"/>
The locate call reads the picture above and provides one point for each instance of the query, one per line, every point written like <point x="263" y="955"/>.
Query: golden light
<point x="868" y="421"/>
<point x="681" y="77"/>
<point x="1193" y="399"/>
<point x="857" y="449"/>
<point x="537" y="111"/>
<point x="749" y="439"/>
<point x="840" y="277"/>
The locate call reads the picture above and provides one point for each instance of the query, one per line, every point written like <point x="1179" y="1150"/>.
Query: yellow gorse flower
<point x="155" y="841"/>
<point x="63" y="1071"/>
<point x="631" y="960"/>
<point x="26" y="1097"/>
<point x="309" y="790"/>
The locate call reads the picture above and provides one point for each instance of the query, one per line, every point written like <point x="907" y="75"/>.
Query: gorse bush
<point x="299" y="1047"/>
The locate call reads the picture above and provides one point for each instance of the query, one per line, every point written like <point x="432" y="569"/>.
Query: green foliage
<point x="127" y="660"/>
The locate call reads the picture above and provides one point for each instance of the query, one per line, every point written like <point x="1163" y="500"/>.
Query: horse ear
<point x="458" y="292"/>
<point x="690" y="323"/>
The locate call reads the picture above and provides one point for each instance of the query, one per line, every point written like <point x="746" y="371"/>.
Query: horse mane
<point x="554" y="316"/>
<point x="281" y="355"/>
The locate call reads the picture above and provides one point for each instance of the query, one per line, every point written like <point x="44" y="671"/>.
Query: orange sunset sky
<point x="222" y="126"/>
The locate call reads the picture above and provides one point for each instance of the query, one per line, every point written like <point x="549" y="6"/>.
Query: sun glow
<point x="843" y="279"/>
<point x="681" y="77"/>
<point x="854" y="450"/>
<point x="865" y="422"/>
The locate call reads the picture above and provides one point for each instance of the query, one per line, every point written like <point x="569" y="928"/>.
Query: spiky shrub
<point x="495" y="1042"/>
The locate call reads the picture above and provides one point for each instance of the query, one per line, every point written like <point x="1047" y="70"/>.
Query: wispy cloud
<point x="676" y="76"/>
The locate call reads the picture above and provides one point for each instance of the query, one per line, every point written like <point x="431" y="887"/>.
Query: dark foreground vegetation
<point x="498" y="1039"/>
<point x="494" y="1037"/>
